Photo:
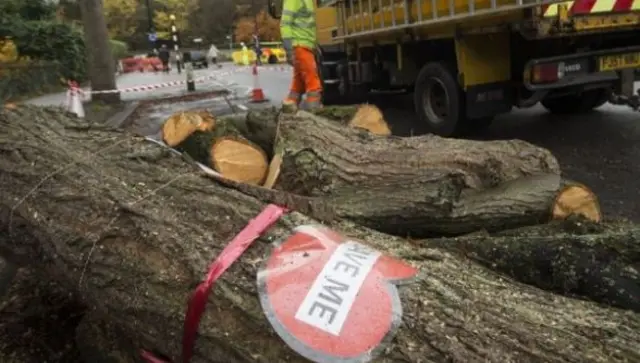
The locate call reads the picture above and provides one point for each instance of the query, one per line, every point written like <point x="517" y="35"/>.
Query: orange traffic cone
<point x="257" y="95"/>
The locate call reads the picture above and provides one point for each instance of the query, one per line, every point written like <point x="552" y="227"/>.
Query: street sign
<point x="330" y="298"/>
<point x="152" y="37"/>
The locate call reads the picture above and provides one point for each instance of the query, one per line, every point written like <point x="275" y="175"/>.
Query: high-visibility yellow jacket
<point x="298" y="23"/>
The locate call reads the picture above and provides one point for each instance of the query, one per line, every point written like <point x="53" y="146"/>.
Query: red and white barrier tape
<point x="149" y="87"/>
<point x="143" y="88"/>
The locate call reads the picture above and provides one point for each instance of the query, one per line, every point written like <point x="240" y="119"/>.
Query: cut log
<point x="368" y="117"/>
<point x="182" y="124"/>
<point x="421" y="186"/>
<point x="260" y="126"/>
<point x="418" y="186"/>
<point x="135" y="234"/>
<point x="528" y="200"/>
<point x="232" y="156"/>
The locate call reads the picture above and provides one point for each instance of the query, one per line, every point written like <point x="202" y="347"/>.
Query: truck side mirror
<point x="273" y="9"/>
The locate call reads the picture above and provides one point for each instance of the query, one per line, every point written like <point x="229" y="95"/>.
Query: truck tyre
<point x="438" y="99"/>
<point x="577" y="103"/>
<point x="272" y="59"/>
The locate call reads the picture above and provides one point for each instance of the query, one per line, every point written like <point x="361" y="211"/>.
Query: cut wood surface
<point x="239" y="160"/>
<point x="182" y="124"/>
<point x="576" y="198"/>
<point x="133" y="227"/>
<point x="274" y="171"/>
<point x="367" y="117"/>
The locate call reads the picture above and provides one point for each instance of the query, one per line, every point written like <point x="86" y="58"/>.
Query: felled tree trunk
<point x="133" y="228"/>
<point x="419" y="186"/>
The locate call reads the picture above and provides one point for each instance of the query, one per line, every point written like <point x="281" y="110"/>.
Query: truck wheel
<point x="438" y="99"/>
<point x="272" y="59"/>
<point x="577" y="103"/>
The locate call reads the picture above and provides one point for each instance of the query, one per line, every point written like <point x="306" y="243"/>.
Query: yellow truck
<point x="467" y="61"/>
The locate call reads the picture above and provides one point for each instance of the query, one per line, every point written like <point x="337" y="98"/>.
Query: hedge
<point x="19" y="79"/>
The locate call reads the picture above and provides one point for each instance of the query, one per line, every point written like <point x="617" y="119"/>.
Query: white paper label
<point x="329" y="301"/>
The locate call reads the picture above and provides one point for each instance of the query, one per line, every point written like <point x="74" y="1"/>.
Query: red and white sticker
<point x="330" y="298"/>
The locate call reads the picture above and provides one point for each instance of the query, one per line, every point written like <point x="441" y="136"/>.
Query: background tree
<point x="101" y="65"/>
<point x="36" y="34"/>
<point x="268" y="28"/>
<point x="214" y="20"/>
<point x="121" y="19"/>
<point x="180" y="8"/>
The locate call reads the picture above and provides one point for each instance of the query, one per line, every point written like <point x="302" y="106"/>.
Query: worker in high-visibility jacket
<point x="245" y="54"/>
<point x="298" y="31"/>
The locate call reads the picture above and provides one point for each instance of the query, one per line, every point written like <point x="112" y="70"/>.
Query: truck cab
<point x="466" y="61"/>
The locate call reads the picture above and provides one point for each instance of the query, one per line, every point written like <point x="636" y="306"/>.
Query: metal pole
<point x="152" y="28"/>
<point x="255" y="31"/>
<point x="176" y="41"/>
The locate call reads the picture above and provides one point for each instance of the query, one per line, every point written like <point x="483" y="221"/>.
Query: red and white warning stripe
<point x="583" y="7"/>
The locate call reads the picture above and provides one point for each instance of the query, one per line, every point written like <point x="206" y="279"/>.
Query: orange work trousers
<point x="305" y="78"/>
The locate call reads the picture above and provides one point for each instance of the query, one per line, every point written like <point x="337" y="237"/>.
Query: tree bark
<point x="133" y="227"/>
<point x="100" y="59"/>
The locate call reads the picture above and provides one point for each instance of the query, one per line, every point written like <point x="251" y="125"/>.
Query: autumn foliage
<point x="268" y="28"/>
